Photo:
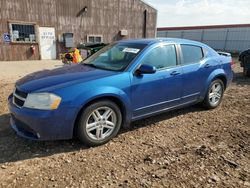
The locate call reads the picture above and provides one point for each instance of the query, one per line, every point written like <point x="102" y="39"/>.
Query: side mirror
<point x="145" y="69"/>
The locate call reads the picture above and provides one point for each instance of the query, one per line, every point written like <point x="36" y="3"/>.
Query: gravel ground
<point x="191" y="147"/>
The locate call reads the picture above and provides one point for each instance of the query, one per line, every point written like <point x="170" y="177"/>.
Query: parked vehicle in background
<point x="244" y="59"/>
<point x="123" y="82"/>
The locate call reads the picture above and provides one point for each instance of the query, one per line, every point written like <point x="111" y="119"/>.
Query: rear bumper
<point x="42" y="124"/>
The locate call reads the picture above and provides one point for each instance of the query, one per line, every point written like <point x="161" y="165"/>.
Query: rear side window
<point x="161" y="57"/>
<point x="191" y="54"/>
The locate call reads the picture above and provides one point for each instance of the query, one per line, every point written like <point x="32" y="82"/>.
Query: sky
<point x="172" y="13"/>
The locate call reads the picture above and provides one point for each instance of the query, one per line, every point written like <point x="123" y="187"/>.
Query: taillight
<point x="232" y="63"/>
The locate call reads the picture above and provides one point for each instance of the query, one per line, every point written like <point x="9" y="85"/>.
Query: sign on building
<point x="47" y="42"/>
<point x="6" y="37"/>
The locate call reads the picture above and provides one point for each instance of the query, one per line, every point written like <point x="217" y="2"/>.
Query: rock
<point x="148" y="159"/>
<point x="159" y="173"/>
<point x="229" y="162"/>
<point x="4" y="167"/>
<point x="215" y="178"/>
<point x="247" y="184"/>
<point x="209" y="181"/>
<point x="126" y="181"/>
<point x="14" y="181"/>
<point x="68" y="161"/>
<point x="202" y="151"/>
<point x="52" y="178"/>
<point x="52" y="166"/>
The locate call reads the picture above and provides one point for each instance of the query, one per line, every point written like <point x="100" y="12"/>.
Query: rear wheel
<point x="99" y="123"/>
<point x="214" y="94"/>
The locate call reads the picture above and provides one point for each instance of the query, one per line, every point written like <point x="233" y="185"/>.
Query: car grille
<point x="19" y="97"/>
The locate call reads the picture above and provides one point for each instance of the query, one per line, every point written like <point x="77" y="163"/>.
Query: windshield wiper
<point x="99" y="67"/>
<point x="91" y="65"/>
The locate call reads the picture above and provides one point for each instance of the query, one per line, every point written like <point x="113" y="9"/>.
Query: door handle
<point x="174" y="73"/>
<point x="207" y="66"/>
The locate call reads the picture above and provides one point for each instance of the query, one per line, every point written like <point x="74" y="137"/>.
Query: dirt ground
<point x="191" y="147"/>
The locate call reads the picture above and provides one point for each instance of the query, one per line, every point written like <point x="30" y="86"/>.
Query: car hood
<point x="60" y="76"/>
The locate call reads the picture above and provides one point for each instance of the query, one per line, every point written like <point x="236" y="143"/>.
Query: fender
<point x="211" y="77"/>
<point x="100" y="92"/>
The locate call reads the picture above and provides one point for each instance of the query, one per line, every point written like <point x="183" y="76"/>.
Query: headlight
<point x="42" y="101"/>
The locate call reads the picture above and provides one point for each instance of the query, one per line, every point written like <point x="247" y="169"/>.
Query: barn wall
<point x="104" y="17"/>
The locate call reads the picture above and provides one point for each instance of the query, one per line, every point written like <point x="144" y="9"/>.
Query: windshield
<point x="115" y="57"/>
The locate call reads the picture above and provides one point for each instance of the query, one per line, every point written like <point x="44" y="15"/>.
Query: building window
<point x="94" y="38"/>
<point x="22" y="32"/>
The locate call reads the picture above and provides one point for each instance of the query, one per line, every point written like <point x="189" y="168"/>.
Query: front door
<point x="153" y="93"/>
<point x="47" y="42"/>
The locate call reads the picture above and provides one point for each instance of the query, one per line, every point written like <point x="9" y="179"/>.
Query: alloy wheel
<point x="101" y="123"/>
<point x="215" y="93"/>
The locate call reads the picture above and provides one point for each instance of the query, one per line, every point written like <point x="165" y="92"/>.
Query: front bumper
<point x="42" y="124"/>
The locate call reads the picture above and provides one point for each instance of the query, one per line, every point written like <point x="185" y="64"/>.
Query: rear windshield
<point x="115" y="57"/>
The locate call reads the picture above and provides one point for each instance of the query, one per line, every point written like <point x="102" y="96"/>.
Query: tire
<point x="246" y="72"/>
<point x="99" y="123"/>
<point x="246" y="68"/>
<point x="212" y="101"/>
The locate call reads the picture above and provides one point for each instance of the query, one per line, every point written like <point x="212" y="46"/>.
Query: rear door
<point x="196" y="68"/>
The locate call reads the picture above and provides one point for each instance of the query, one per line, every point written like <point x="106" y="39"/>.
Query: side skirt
<point x="165" y="110"/>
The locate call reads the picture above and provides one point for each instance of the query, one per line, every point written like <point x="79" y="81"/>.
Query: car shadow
<point x="14" y="148"/>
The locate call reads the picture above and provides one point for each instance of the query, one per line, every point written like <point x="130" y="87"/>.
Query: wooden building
<point x="41" y="29"/>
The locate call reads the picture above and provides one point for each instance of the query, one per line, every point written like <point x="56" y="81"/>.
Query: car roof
<point x="150" y="41"/>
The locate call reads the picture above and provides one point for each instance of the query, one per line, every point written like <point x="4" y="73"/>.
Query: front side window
<point x="161" y="57"/>
<point x="191" y="54"/>
<point x="115" y="57"/>
<point x="22" y="32"/>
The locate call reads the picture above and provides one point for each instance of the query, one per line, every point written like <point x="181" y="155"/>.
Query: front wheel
<point x="214" y="94"/>
<point x="99" y="123"/>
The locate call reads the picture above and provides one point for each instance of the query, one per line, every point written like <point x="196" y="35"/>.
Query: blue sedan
<point x="125" y="81"/>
